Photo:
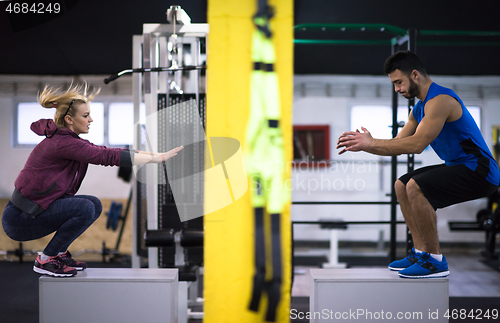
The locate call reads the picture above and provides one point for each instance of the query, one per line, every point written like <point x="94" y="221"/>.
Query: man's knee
<point x="400" y="189"/>
<point x="412" y="189"/>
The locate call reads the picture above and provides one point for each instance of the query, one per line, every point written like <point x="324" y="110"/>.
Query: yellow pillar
<point x="229" y="232"/>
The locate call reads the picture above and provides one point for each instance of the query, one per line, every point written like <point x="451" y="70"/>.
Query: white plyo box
<point x="375" y="295"/>
<point x="110" y="295"/>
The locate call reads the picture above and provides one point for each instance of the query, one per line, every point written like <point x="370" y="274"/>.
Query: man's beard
<point x="412" y="90"/>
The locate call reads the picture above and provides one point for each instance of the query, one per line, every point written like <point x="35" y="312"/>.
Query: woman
<point x="44" y="199"/>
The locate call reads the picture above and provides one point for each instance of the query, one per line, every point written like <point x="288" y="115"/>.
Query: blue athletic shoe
<point x="405" y="262"/>
<point x="426" y="267"/>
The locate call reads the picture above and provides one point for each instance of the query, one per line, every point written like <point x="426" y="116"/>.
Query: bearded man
<point x="469" y="172"/>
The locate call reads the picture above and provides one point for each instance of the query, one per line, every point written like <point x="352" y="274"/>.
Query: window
<point x="376" y="119"/>
<point x="476" y="115"/>
<point x="27" y="113"/>
<point x="121" y="123"/>
<point x="311" y="145"/>
<point x="112" y="123"/>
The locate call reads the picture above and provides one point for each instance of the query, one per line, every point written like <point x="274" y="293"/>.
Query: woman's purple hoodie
<point x="57" y="166"/>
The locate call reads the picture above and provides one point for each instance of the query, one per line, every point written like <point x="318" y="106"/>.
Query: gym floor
<point x="473" y="285"/>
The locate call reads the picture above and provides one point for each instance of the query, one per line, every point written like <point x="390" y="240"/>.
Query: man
<point x="469" y="172"/>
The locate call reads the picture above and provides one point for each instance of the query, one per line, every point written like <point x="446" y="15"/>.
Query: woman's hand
<point x="171" y="153"/>
<point x="144" y="157"/>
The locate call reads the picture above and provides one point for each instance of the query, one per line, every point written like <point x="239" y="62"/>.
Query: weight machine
<point x="169" y="80"/>
<point x="168" y="65"/>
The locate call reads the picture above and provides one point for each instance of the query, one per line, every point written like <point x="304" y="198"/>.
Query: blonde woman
<point x="44" y="199"/>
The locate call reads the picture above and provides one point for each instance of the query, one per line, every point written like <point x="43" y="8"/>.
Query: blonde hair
<point x="75" y="95"/>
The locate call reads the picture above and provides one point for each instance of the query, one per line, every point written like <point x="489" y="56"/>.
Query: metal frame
<point x="400" y="35"/>
<point x="150" y="50"/>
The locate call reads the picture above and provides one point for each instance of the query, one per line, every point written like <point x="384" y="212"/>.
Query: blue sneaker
<point x="426" y="267"/>
<point x="405" y="262"/>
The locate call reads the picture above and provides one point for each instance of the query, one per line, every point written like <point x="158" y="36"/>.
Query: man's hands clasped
<point x="354" y="141"/>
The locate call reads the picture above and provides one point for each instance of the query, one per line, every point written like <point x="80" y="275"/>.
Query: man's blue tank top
<point x="460" y="141"/>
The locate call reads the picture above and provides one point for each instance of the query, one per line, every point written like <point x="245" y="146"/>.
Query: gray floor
<point x="469" y="277"/>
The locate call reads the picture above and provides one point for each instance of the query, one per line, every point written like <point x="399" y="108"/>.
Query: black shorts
<point x="445" y="185"/>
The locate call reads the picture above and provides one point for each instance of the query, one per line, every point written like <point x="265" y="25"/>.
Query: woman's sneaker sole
<point x="50" y="273"/>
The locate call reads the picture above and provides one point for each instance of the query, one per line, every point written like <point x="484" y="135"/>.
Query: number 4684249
<point x="477" y="314"/>
<point x="33" y="8"/>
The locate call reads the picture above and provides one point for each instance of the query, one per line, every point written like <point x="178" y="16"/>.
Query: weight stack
<point x="178" y="124"/>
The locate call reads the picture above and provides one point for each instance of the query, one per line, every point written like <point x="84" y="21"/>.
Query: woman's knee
<point x="97" y="207"/>
<point x="86" y="211"/>
<point x="96" y="204"/>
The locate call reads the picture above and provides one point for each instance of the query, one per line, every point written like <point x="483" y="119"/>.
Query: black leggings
<point x="69" y="217"/>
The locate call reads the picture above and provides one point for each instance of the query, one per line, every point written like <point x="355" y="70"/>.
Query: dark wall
<point x="476" y="15"/>
<point x="91" y="37"/>
<point x="95" y="36"/>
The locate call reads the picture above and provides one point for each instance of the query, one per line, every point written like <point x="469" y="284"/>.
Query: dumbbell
<point x="482" y="216"/>
<point x="114" y="215"/>
<point x="491" y="222"/>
